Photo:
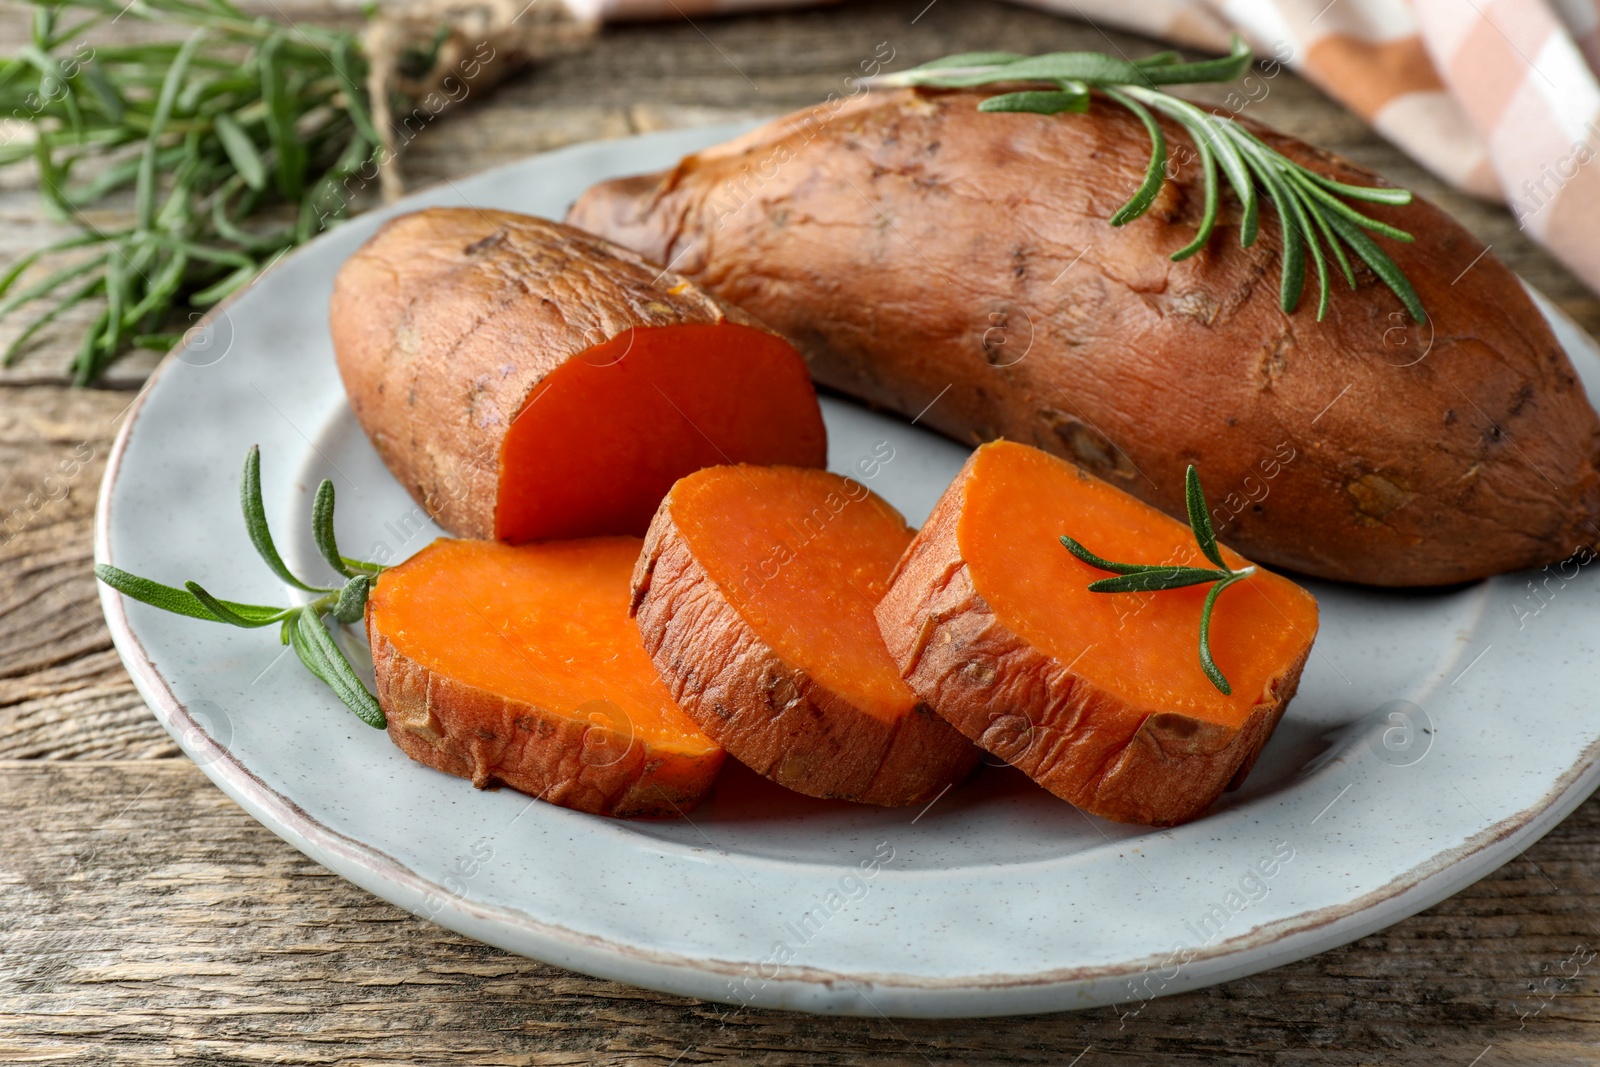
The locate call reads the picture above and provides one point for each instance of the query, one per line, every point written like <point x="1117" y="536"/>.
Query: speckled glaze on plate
<point x="1436" y="735"/>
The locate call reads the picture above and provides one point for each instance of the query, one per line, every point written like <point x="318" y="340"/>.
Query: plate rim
<point x="973" y="995"/>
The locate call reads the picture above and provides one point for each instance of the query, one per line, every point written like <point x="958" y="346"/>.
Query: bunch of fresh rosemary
<point x="244" y="120"/>
<point x="1310" y="209"/>
<point x="301" y="627"/>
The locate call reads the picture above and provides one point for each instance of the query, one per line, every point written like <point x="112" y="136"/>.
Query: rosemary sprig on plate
<point x="1312" y="209"/>
<point x="1155" y="577"/>
<point x="303" y="627"/>
<point x="244" y="119"/>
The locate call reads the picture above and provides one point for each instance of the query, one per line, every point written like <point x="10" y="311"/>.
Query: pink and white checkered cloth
<point x="1498" y="97"/>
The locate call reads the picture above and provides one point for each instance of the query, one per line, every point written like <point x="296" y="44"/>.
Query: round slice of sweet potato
<point x="755" y="596"/>
<point x="520" y="665"/>
<point x="1099" y="697"/>
<point x="525" y="380"/>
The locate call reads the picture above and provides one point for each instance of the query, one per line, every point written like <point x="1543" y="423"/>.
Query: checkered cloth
<point x="1498" y="97"/>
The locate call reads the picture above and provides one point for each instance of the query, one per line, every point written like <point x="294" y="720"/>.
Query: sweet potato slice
<point x="1099" y="697"/>
<point x="519" y="665"/>
<point x="527" y="381"/>
<point x="755" y="596"/>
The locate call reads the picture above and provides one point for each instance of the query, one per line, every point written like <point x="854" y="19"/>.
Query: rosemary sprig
<point x="302" y="628"/>
<point x="1155" y="577"/>
<point x="243" y="120"/>
<point x="1312" y="209"/>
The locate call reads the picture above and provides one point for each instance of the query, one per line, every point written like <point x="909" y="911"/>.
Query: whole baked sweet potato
<point x="922" y="252"/>
<point x="524" y="380"/>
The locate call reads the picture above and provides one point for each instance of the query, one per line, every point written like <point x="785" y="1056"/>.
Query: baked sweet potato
<point x="526" y="381"/>
<point x="754" y="595"/>
<point x="908" y="243"/>
<point x="519" y="665"/>
<point x="1099" y="697"/>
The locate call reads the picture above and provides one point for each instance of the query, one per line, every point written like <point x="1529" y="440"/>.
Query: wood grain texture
<point x="149" y="920"/>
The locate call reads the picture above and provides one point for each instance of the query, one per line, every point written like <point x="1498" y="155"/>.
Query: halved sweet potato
<point x="1099" y="697"/>
<point x="520" y="665"/>
<point x="525" y="380"/>
<point x="755" y="596"/>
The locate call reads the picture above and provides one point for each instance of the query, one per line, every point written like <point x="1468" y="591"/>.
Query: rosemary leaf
<point x="221" y="290"/>
<point x="67" y="303"/>
<point x="241" y="151"/>
<point x="351" y="606"/>
<point x="255" y="521"/>
<point x="1292" y="282"/>
<point x="355" y="100"/>
<point x="1155" y="173"/>
<point x="49" y="284"/>
<point x="1158" y="59"/>
<point x="1200" y="517"/>
<point x="1208" y="213"/>
<point x="9" y="278"/>
<point x="316" y="649"/>
<point x="1207" y="663"/>
<point x="1333" y="203"/>
<point x="224" y="613"/>
<point x="1226" y="68"/>
<point x="1369" y="193"/>
<point x="286" y="144"/>
<point x="1381" y="264"/>
<point x="145" y="196"/>
<point x="322" y="529"/>
<point x="86" y="366"/>
<point x="1102" y="564"/>
<point x="1156" y="579"/>
<point x="1302" y="218"/>
<point x="116" y="286"/>
<point x="1051" y="102"/>
<point x="1335" y="246"/>
<point x="177" y="601"/>
<point x="111" y="104"/>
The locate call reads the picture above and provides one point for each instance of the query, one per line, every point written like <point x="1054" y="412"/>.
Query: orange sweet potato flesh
<point x="1099" y="697"/>
<point x="527" y="381"/>
<point x="755" y="596"/>
<point x="520" y="665"/>
<point x="916" y="248"/>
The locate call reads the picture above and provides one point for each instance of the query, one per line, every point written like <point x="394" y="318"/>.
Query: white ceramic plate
<point x="1435" y="735"/>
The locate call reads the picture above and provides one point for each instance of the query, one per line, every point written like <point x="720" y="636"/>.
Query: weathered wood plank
<point x="150" y="920"/>
<point x="63" y="693"/>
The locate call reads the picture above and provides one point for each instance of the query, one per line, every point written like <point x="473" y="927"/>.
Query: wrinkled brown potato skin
<point x="762" y="709"/>
<point x="907" y="242"/>
<point x="1029" y="709"/>
<point x="447" y="318"/>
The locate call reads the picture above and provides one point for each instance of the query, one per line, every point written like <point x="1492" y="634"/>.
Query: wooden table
<point x="147" y="919"/>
